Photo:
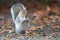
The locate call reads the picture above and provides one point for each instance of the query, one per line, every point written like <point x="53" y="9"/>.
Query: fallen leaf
<point x="32" y="28"/>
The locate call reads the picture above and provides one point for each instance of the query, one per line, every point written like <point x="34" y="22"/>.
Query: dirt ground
<point x="7" y="31"/>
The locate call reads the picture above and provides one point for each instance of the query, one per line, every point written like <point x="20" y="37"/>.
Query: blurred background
<point x="5" y="5"/>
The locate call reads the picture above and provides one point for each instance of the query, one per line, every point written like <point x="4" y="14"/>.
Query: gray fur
<point x="16" y="11"/>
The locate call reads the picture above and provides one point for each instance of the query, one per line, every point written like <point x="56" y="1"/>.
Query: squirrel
<point x="19" y="13"/>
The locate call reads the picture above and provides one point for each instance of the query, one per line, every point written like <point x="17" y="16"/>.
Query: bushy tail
<point x="15" y="10"/>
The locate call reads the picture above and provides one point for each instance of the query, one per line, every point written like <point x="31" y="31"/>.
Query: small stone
<point x="23" y="32"/>
<point x="10" y="31"/>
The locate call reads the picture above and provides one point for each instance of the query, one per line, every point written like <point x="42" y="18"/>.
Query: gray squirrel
<point x="19" y="13"/>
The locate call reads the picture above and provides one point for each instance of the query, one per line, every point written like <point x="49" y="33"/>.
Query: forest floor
<point x="7" y="31"/>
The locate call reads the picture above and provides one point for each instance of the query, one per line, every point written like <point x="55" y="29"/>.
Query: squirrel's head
<point x="23" y="13"/>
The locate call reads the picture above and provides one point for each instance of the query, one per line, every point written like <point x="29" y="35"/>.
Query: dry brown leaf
<point x="3" y="31"/>
<point x="3" y="27"/>
<point x="32" y="28"/>
<point x="41" y="27"/>
<point x="9" y="27"/>
<point x="31" y="33"/>
<point x="3" y="22"/>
